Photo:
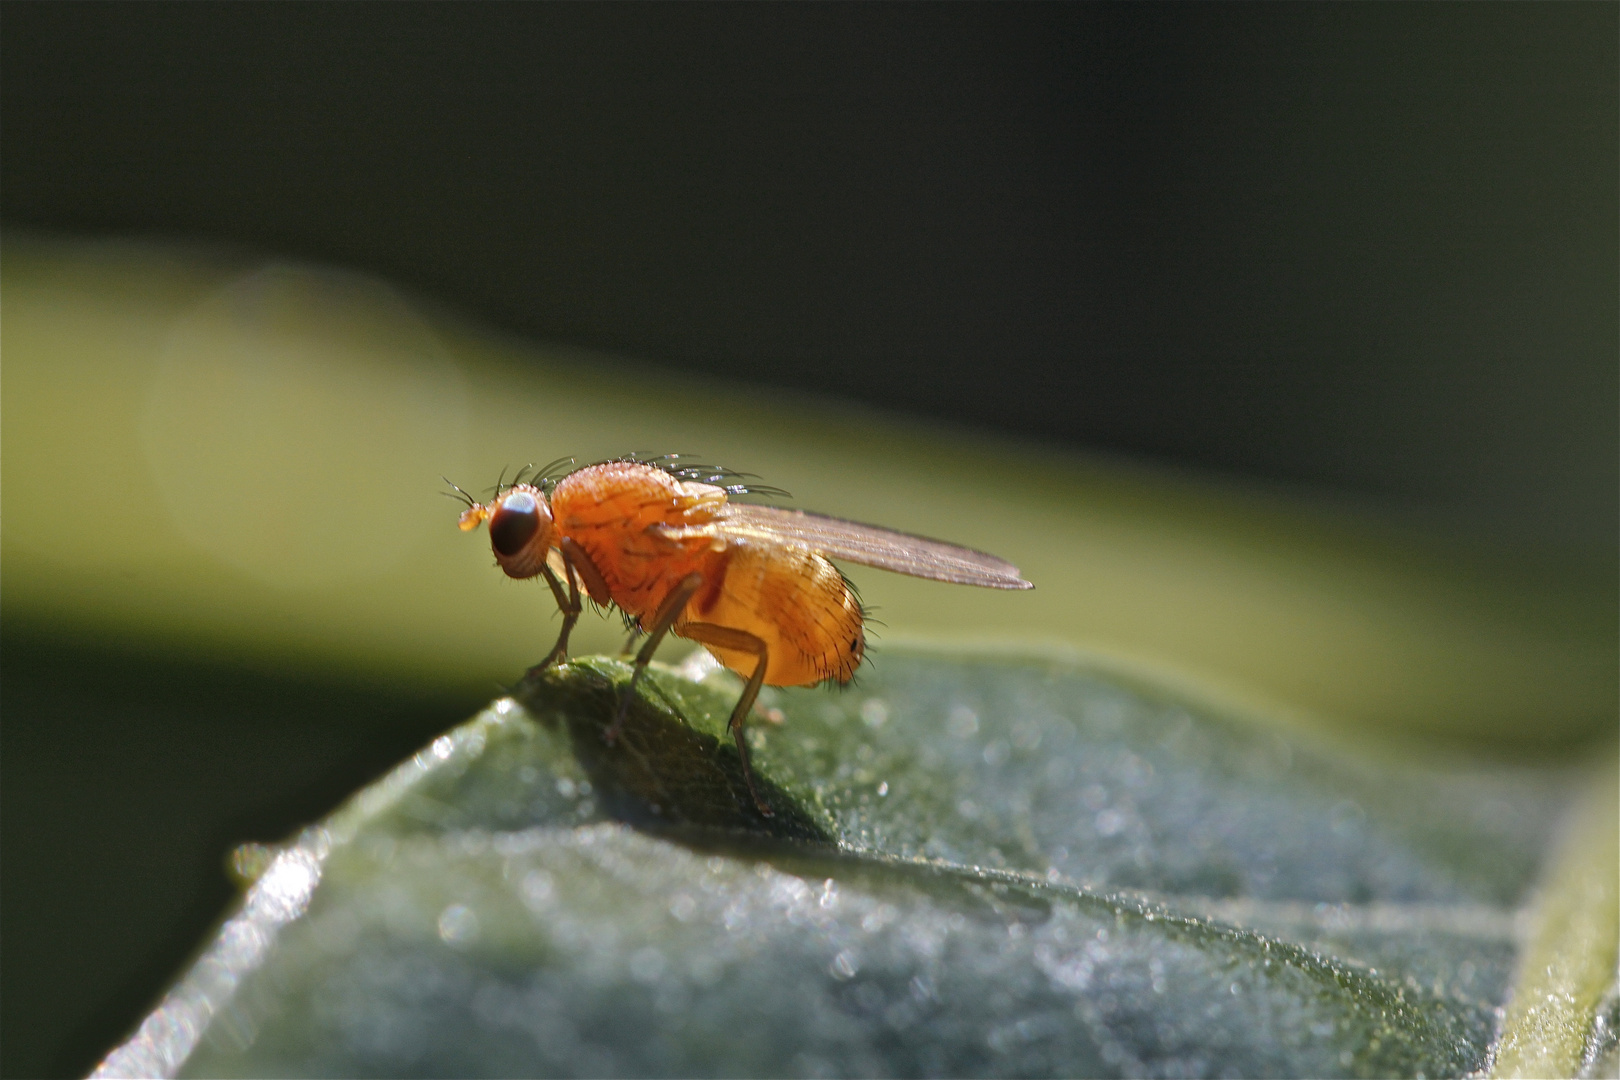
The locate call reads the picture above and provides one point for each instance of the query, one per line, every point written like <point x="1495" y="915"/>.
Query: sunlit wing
<point x="870" y="545"/>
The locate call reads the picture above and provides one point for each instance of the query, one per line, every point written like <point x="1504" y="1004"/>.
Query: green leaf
<point x="1564" y="1019"/>
<point x="977" y="865"/>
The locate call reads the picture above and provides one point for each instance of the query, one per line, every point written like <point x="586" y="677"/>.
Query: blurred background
<point x="1277" y="344"/>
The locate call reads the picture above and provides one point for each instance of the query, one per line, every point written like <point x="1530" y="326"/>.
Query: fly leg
<point x="570" y="606"/>
<point x="630" y="642"/>
<point x="740" y="640"/>
<point x="579" y="560"/>
<point x="668" y="612"/>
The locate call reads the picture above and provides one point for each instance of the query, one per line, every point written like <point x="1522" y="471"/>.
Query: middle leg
<point x="668" y="612"/>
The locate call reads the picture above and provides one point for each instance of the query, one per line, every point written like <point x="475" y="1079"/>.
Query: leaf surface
<point x="990" y="865"/>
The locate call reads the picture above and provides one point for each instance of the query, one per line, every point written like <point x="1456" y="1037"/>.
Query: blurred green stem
<point x="1571" y="957"/>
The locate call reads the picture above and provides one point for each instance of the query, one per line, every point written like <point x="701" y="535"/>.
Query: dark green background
<point x="1369" y="249"/>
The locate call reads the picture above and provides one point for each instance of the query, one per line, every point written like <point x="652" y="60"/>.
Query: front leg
<point x="726" y="637"/>
<point x="570" y="607"/>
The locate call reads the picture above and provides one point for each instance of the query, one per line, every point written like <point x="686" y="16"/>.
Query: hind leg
<point x="742" y="641"/>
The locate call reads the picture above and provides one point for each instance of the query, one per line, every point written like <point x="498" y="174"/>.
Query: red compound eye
<point x="514" y="523"/>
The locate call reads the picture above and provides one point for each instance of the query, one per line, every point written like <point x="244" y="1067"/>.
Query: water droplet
<point x="874" y="712"/>
<point x="248" y="862"/>
<point x="963" y="722"/>
<point x="537" y="889"/>
<point x="647" y="965"/>
<point x="458" y="925"/>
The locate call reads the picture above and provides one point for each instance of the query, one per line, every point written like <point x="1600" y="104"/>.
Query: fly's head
<point x="519" y="528"/>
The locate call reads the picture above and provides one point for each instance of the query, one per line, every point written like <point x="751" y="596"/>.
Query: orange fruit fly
<point x="663" y="541"/>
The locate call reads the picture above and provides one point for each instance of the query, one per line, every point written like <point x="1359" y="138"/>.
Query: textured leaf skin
<point x="977" y="866"/>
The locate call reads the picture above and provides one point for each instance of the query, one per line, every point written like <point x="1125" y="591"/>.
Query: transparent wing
<point x="870" y="545"/>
